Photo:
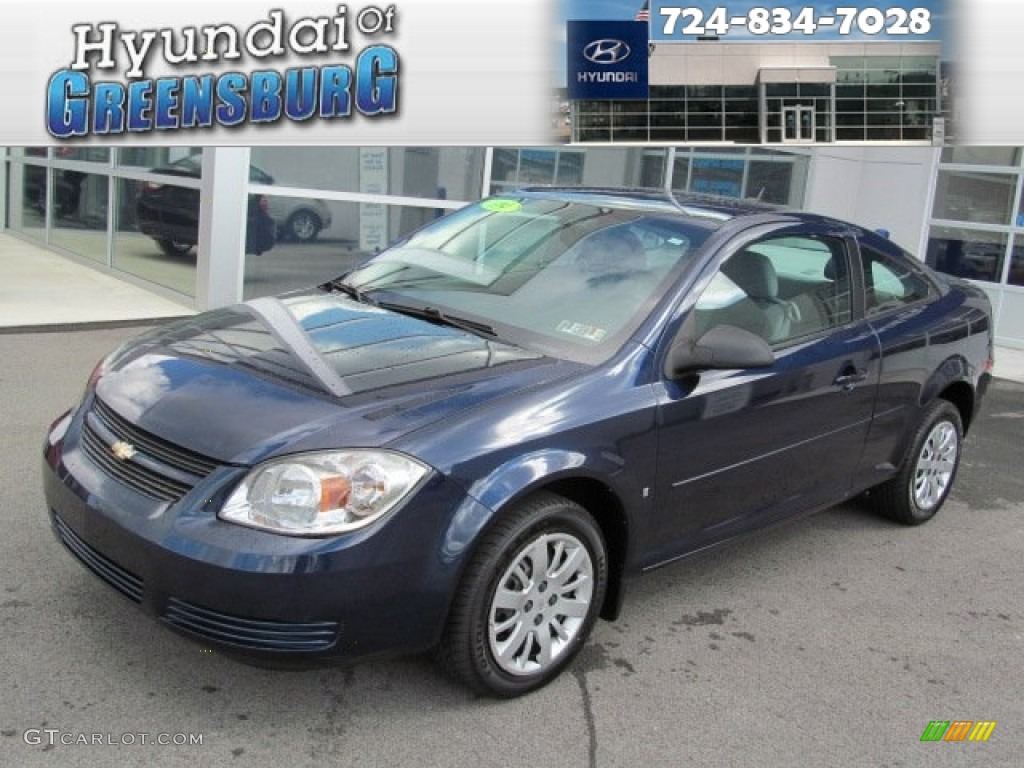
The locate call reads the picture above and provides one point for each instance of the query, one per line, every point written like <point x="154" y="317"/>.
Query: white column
<point x="222" y="220"/>
<point x="3" y="188"/>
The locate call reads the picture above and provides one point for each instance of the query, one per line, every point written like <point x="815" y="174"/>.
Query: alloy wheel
<point x="935" y="465"/>
<point x="540" y="603"/>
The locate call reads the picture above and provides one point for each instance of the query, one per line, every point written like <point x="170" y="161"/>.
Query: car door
<point x="738" y="449"/>
<point x="900" y="308"/>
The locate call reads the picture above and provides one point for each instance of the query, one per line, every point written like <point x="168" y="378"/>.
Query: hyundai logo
<point x="606" y="51"/>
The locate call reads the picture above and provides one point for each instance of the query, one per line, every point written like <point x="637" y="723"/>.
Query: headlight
<point x="322" y="494"/>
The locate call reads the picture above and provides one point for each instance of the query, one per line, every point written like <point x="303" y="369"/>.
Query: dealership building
<point x="961" y="209"/>
<point x="775" y="93"/>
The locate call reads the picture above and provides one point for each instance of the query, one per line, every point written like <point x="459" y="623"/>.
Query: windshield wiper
<point x="434" y="315"/>
<point x="339" y="284"/>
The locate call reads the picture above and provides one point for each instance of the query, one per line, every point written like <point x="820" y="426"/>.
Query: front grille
<point x="250" y="634"/>
<point x="161" y="450"/>
<point x="132" y="474"/>
<point x="159" y="469"/>
<point x="125" y="582"/>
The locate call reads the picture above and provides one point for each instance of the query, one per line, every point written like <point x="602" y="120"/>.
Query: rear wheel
<point x="528" y="599"/>
<point x="173" y="247"/>
<point x="918" y="491"/>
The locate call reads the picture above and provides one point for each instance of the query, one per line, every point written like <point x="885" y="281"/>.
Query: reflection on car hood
<point x="306" y="371"/>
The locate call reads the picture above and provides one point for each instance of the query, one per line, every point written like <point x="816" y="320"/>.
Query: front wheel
<point x="528" y="599"/>
<point x="303" y="226"/>
<point x="917" y="492"/>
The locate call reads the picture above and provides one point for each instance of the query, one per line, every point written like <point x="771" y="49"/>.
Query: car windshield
<point x="566" y="278"/>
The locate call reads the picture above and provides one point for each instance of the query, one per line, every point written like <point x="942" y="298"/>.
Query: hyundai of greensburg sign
<point x="607" y="59"/>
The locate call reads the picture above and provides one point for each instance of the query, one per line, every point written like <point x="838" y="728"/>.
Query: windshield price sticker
<point x="765" y="22"/>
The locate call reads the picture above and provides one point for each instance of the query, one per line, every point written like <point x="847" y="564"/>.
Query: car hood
<point x="306" y="371"/>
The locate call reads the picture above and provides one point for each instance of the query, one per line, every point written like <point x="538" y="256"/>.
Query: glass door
<point x="798" y="125"/>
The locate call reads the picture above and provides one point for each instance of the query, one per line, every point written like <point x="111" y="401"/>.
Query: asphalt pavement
<point x="833" y="641"/>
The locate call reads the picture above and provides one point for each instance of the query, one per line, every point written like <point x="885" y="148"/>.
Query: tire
<point x="509" y="633"/>
<point x="303" y="226"/>
<point x="918" y="491"/>
<point x="173" y="247"/>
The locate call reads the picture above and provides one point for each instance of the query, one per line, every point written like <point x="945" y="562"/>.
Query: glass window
<point x="523" y="167"/>
<point x="704" y="92"/>
<point x="717" y="176"/>
<point x="429" y="172"/>
<point x="780" y="90"/>
<point x="669" y="120"/>
<point x="1016" y="276"/>
<point x="675" y="131"/>
<point x="153" y="157"/>
<point x="707" y="120"/>
<point x="34" y="201"/>
<point x="629" y="134"/>
<point x="668" y="106"/>
<point x="562" y="278"/>
<point x="926" y="64"/>
<point x="922" y="91"/>
<point x="891" y="284"/>
<point x="667" y="91"/>
<point x="967" y="253"/>
<point x="847" y="62"/>
<point x="593" y="121"/>
<point x="82" y="154"/>
<point x="356" y="232"/>
<point x="741" y="92"/>
<point x="742" y="130"/>
<point x="982" y="155"/>
<point x="780" y="288"/>
<point x="970" y="196"/>
<point x="155" y="232"/>
<point x="630" y="107"/>
<point x="704" y="105"/>
<point x="80" y="213"/>
<point x="593" y="133"/>
<point x="815" y="89"/>
<point x="770" y="182"/>
<point x="630" y="121"/>
<point x="570" y="168"/>
<point x="653" y="171"/>
<point x="876" y="77"/>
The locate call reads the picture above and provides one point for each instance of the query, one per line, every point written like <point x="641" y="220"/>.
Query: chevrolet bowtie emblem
<point x="123" y="450"/>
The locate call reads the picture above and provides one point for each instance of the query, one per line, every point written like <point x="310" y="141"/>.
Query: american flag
<point x="644" y="14"/>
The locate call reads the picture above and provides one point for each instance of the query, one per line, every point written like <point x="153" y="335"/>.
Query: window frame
<point x="896" y="255"/>
<point x="839" y="244"/>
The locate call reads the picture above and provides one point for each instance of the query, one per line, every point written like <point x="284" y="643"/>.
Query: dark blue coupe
<point x="468" y="443"/>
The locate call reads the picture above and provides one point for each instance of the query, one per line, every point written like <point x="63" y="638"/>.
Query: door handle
<point x="850" y="378"/>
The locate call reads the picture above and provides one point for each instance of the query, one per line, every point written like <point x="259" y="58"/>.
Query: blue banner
<point x="607" y="59"/>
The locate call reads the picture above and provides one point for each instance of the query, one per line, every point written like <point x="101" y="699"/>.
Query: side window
<point x="891" y="283"/>
<point x="782" y="289"/>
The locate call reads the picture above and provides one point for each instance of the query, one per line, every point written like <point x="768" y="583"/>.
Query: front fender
<point x="517" y="478"/>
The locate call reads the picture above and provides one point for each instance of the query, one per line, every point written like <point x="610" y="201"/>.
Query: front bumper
<point x="382" y="590"/>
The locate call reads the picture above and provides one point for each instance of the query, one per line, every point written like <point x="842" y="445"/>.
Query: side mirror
<point x="723" y="347"/>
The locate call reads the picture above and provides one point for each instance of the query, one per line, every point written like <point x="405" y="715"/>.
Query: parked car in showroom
<point x="170" y="214"/>
<point x="297" y="218"/>
<point x="471" y="441"/>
